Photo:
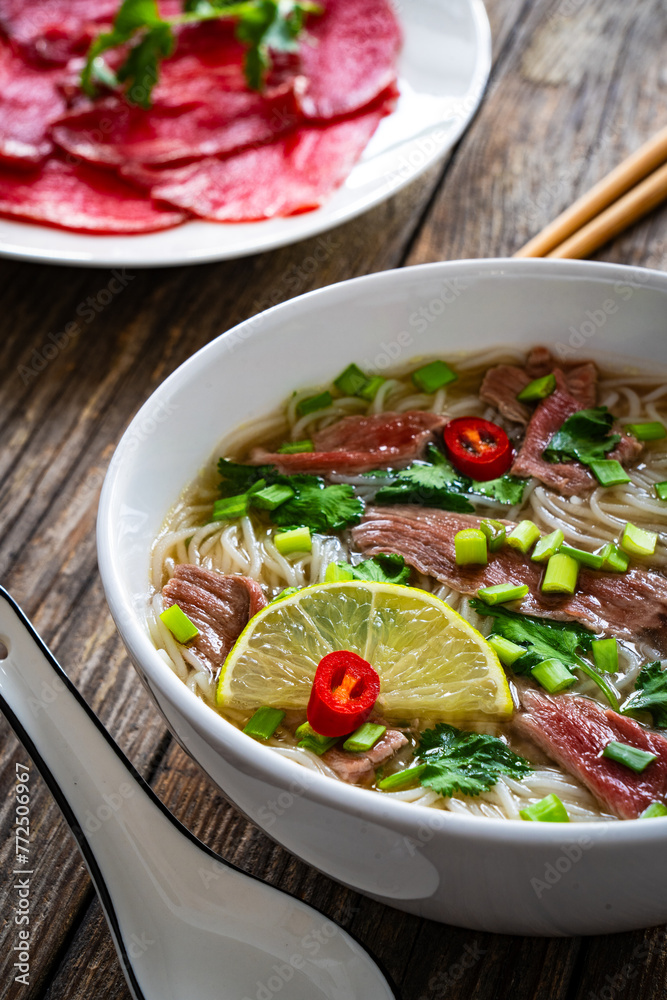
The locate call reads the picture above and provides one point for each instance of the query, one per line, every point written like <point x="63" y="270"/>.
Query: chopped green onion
<point x="651" y="431"/>
<point x="296" y="447"/>
<point x="637" y="541"/>
<point x="495" y="533"/>
<point x="338" y="573"/>
<point x="365" y="737"/>
<point x="605" y="655"/>
<point x="499" y="593"/>
<point x="609" y="472"/>
<point x="287" y="592"/>
<point x="523" y="537"/>
<point x="591" y="559"/>
<point x="470" y="547"/>
<point x="272" y="496"/>
<point x="370" y="390"/>
<point x="613" y="559"/>
<point x="431" y="377"/>
<point x="538" y="389"/>
<point x="547" y="810"/>
<point x="351" y="381"/>
<point x="264" y="722"/>
<point x="508" y="652"/>
<point x="179" y="624"/>
<point x="312" y="403"/>
<point x="395" y="781"/>
<point x="547" y="545"/>
<point x="661" y="490"/>
<point x="561" y="575"/>
<point x="553" y="676"/>
<point x="310" y="740"/>
<point x="637" y="760"/>
<point x="231" y="508"/>
<point x="294" y="540"/>
<point x="654" y="810"/>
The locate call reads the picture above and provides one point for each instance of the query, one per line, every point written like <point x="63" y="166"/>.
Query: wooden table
<point x="576" y="85"/>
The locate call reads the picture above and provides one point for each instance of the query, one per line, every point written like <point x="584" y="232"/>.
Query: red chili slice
<point x="343" y="694"/>
<point x="478" y="448"/>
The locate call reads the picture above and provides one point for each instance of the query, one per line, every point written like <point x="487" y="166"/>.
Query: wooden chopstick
<point x="558" y="238"/>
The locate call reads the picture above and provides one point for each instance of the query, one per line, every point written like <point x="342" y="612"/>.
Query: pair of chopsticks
<point x="621" y="198"/>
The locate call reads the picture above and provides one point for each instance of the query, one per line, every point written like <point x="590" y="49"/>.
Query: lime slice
<point x="430" y="660"/>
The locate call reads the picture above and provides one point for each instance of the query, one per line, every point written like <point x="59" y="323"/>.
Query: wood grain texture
<point x="576" y="85"/>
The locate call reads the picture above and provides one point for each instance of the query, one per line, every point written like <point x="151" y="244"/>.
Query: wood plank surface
<point x="576" y="85"/>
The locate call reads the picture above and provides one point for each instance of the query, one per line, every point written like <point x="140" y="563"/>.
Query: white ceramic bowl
<point x="495" y="875"/>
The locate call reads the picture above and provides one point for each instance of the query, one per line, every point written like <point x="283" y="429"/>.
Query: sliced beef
<point x="348" y="57"/>
<point x="568" y="478"/>
<point x="629" y="605"/>
<point x="81" y="198"/>
<point x="52" y="31"/>
<point x="358" y="768"/>
<point x="200" y="107"/>
<point x="582" y="384"/>
<point x="359" y="444"/>
<point x="628" y="448"/>
<point x="287" y="176"/>
<point x="574" y="731"/>
<point x="220" y="606"/>
<point x="503" y="383"/>
<point x="540" y="362"/>
<point x="30" y="101"/>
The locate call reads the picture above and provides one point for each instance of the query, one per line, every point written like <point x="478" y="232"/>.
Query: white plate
<point x="443" y="70"/>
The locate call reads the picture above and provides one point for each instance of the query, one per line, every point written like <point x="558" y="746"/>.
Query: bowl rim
<point x="272" y="767"/>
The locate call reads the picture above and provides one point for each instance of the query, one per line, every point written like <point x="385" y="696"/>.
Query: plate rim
<point x="319" y="224"/>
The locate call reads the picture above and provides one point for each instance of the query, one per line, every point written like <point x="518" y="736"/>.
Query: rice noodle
<point x="247" y="547"/>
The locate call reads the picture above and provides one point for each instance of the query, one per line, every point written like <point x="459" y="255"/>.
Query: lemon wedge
<point x="431" y="661"/>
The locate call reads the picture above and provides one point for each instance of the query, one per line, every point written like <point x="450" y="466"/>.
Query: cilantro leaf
<point x="545" y="639"/>
<point x="470" y="763"/>
<point x="507" y="489"/>
<point x="314" y="505"/>
<point x="585" y="436"/>
<point x="650" y="694"/>
<point x="542" y="638"/>
<point x="137" y="21"/>
<point x="320" y="508"/>
<point x="237" y="478"/>
<point x="387" y="567"/>
<point x="263" y="26"/>
<point x="436" y="483"/>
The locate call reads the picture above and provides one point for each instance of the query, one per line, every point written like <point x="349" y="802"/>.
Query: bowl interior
<point x="385" y="320"/>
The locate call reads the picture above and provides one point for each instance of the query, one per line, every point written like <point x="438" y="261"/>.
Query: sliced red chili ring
<point x="343" y="694"/>
<point x="478" y="448"/>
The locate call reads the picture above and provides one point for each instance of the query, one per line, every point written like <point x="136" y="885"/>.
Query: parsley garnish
<point x="387" y="567"/>
<point x="470" y="763"/>
<point x="650" y="694"/>
<point x="262" y="25"/>
<point x="320" y="508"/>
<point x="314" y="505"/>
<point x="544" y="640"/>
<point x="436" y="483"/>
<point x="585" y="436"/>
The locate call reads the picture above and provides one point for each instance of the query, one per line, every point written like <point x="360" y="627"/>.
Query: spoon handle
<point x="86" y="772"/>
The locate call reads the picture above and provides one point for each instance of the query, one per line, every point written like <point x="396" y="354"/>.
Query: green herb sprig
<point x="313" y="505"/>
<point x="436" y="483"/>
<point x="650" y="694"/>
<point x="585" y="436"/>
<point x="263" y="26"/>
<point x="544" y="640"/>
<point x="469" y="763"/>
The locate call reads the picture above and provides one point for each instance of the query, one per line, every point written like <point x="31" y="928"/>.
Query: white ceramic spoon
<point x="185" y="923"/>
